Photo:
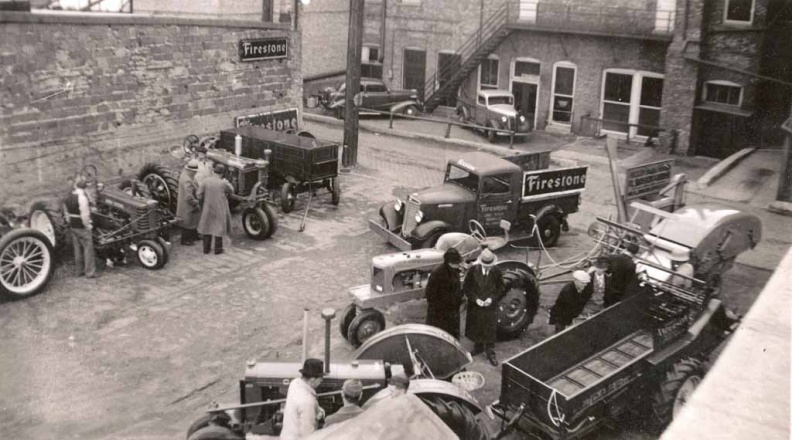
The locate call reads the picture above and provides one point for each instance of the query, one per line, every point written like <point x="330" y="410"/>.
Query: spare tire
<point x="27" y="263"/>
<point x="458" y="417"/>
<point x="163" y="184"/>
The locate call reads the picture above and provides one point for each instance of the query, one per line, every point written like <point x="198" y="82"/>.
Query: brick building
<point x="686" y="71"/>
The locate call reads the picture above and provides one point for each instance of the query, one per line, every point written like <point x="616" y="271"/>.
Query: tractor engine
<point x="116" y="209"/>
<point x="242" y="172"/>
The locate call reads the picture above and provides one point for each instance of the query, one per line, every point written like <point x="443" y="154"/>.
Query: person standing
<point x="188" y="207"/>
<point x="302" y="412"/>
<point x="443" y="296"/>
<point x="351" y="393"/>
<point x="601" y="289"/>
<point x="215" y="219"/>
<point x="484" y="288"/>
<point x="571" y="300"/>
<point x="78" y="215"/>
<point x="204" y="165"/>
<point x="622" y="270"/>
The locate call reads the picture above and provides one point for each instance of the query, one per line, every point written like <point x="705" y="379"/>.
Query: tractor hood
<point x="443" y="194"/>
<point x="504" y="109"/>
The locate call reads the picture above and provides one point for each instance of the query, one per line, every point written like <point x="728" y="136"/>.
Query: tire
<point x="255" y="223"/>
<point x="550" y="230"/>
<point x="306" y="134"/>
<point x="49" y="221"/>
<point x="677" y="385"/>
<point x="162" y="183"/>
<point x="346" y="320"/>
<point x="272" y="217"/>
<point x="150" y="254"/>
<point x="288" y="197"/>
<point x="410" y="110"/>
<point x="26" y="263"/>
<point x="164" y="244"/>
<point x="458" y="417"/>
<point x="491" y="134"/>
<point x="364" y="326"/>
<point x="217" y="419"/>
<point x="517" y="309"/>
<point x="335" y="190"/>
<point x="214" y="432"/>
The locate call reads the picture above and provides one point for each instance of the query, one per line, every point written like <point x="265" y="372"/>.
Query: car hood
<point x="445" y="193"/>
<point x="504" y="109"/>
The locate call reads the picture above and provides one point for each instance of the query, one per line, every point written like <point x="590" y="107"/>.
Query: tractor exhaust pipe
<point x="328" y="314"/>
<point x="305" y="336"/>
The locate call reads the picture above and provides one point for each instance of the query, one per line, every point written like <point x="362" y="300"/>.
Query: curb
<point x="723" y="167"/>
<point x="781" y="207"/>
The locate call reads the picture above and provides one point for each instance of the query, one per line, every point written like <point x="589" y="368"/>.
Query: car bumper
<point x="394" y="239"/>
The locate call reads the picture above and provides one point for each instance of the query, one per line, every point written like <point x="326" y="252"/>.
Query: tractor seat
<point x="493" y="243"/>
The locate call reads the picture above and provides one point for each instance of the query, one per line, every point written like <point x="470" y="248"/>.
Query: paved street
<point x="137" y="354"/>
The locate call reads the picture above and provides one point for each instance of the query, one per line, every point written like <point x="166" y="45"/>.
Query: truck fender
<point x="397" y="108"/>
<point x="392" y="218"/>
<point x="424" y="230"/>
<point x="550" y="210"/>
<point x="495" y="123"/>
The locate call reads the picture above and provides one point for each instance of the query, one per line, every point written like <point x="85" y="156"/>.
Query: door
<point x="717" y="134"/>
<point x="377" y="97"/>
<point x="525" y="100"/>
<point x="447" y="65"/>
<point x="415" y="70"/>
<point x="496" y="202"/>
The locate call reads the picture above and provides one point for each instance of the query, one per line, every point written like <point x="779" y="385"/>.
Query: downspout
<point x="685" y="20"/>
<point x="383" y="17"/>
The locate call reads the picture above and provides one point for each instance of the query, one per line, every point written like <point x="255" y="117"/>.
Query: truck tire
<point x="208" y="419"/>
<point x="26" y="263"/>
<point x="287" y="197"/>
<point x="49" y="220"/>
<point x="162" y="183"/>
<point x="549" y="229"/>
<point x="676" y="387"/>
<point x="364" y="326"/>
<point x="214" y="432"/>
<point x="255" y="223"/>
<point x="457" y="417"/>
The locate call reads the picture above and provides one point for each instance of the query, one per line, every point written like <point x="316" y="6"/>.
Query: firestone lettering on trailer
<point x="536" y="183"/>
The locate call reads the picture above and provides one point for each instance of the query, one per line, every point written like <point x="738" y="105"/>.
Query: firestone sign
<point x="263" y="49"/>
<point x="551" y="183"/>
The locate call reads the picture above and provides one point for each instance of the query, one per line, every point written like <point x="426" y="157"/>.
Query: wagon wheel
<point x="150" y="254"/>
<point x="288" y="197"/>
<point x="458" y="417"/>
<point x="347" y="316"/>
<point x="364" y="326"/>
<point x="26" y="262"/>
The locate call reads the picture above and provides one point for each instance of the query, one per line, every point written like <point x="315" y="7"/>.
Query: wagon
<point x="298" y="163"/>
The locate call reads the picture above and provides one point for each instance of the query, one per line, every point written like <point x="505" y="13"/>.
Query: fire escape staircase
<point x="488" y="37"/>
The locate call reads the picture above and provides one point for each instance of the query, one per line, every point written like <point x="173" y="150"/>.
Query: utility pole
<point x="354" y="53"/>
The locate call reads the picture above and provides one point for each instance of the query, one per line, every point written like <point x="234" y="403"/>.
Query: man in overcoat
<point x="571" y="300"/>
<point x="188" y="207"/>
<point x="622" y="270"/>
<point x="215" y="214"/>
<point x="484" y="288"/>
<point x="302" y="413"/>
<point x="443" y="295"/>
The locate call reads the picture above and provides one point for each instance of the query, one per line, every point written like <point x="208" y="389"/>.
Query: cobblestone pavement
<point x="137" y="354"/>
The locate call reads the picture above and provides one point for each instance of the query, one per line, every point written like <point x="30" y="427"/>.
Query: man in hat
<point x="77" y="211"/>
<point x="302" y="412"/>
<point x="204" y="166"/>
<point x="682" y="264"/>
<point x="483" y="287"/>
<point x="188" y="208"/>
<point x="443" y="296"/>
<point x="601" y="290"/>
<point x="571" y="300"/>
<point x="215" y="213"/>
<point x="622" y="271"/>
<point x="351" y="393"/>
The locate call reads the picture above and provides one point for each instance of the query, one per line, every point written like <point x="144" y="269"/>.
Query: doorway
<point x="525" y="95"/>
<point x="447" y="65"/>
<point x="415" y="70"/>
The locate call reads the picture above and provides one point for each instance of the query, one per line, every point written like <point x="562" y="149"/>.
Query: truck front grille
<point x="410" y="209"/>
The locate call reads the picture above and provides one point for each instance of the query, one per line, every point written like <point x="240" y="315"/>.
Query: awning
<point x="724" y="108"/>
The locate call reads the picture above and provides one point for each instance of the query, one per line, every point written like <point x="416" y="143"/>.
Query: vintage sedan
<point x="495" y="110"/>
<point x="374" y="95"/>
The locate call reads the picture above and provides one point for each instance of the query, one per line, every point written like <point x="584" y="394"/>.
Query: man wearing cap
<point x="622" y="270"/>
<point x="571" y="300"/>
<point x="443" y="296"/>
<point x="351" y="393"/>
<point x="302" y="412"/>
<point x="188" y="208"/>
<point x="215" y="218"/>
<point x="77" y="211"/>
<point x="484" y="288"/>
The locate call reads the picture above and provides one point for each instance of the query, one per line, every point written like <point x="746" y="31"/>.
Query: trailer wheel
<point x="550" y="229"/>
<point x="26" y="262"/>
<point x="255" y="223"/>
<point x="208" y="419"/>
<point x="288" y="197"/>
<point x="162" y="184"/>
<point x="49" y="221"/>
<point x="214" y="432"/>
<point x="675" y="390"/>
<point x="346" y="320"/>
<point x="150" y="254"/>
<point x="457" y="417"/>
<point x="335" y="189"/>
<point x="364" y="326"/>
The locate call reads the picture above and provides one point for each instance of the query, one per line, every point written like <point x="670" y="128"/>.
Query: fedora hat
<point x="487" y="258"/>
<point x="192" y="165"/>
<point x="313" y="368"/>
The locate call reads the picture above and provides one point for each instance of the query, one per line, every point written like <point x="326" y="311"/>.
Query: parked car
<point x="494" y="109"/>
<point x="375" y="95"/>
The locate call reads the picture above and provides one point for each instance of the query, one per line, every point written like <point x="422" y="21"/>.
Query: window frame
<point x="718" y="82"/>
<point x="726" y="19"/>
<point x="481" y="86"/>
<point x="635" y="99"/>
<point x="565" y="65"/>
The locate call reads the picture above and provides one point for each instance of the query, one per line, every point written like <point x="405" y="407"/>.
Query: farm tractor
<point x="425" y="354"/>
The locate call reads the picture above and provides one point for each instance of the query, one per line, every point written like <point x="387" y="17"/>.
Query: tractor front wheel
<point x="347" y="316"/>
<point x="288" y="197"/>
<point x="255" y="223"/>
<point x="150" y="254"/>
<point x="364" y="326"/>
<point x="675" y="390"/>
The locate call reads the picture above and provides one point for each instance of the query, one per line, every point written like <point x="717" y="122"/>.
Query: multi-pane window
<point x="649" y="112"/>
<point x="740" y="11"/>
<point x="616" y="101"/>
<point x="723" y="92"/>
<point x="631" y="102"/>
<point x="563" y="92"/>
<point x="370" y="66"/>
<point x="488" y="73"/>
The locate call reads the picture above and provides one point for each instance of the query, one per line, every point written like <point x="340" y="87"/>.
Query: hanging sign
<point x="263" y="49"/>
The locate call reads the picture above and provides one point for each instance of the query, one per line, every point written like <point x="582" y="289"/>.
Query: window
<point x="723" y="92"/>
<point x="461" y="177"/>
<point x="649" y="106"/>
<point x="631" y="102"/>
<point x="563" y="92"/>
<point x="739" y="11"/>
<point x="503" y="99"/>
<point x="616" y="101"/>
<point x="498" y="184"/>
<point x="488" y="74"/>
<point x="370" y="65"/>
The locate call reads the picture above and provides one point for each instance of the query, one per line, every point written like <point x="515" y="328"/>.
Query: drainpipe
<point x="383" y="17"/>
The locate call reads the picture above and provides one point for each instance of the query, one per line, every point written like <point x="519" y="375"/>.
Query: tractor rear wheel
<point x="346" y="319"/>
<point x="208" y="419"/>
<point x="256" y="224"/>
<point x="214" y="432"/>
<point x="457" y="417"/>
<point x="364" y="326"/>
<point x="162" y="183"/>
<point x="675" y="390"/>
<point x="49" y="220"/>
<point x="288" y="197"/>
<point x="26" y="263"/>
<point x="517" y="309"/>
<point x="150" y="254"/>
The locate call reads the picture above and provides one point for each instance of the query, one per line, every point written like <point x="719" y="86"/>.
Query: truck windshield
<point x="462" y="177"/>
<point x="495" y="100"/>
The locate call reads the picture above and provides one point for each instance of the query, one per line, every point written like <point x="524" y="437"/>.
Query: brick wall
<point x="115" y="91"/>
<point x="325" y="27"/>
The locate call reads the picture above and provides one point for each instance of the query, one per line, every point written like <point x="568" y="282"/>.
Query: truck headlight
<point x="398" y="205"/>
<point x="504" y="119"/>
<point x="419" y="216"/>
<point x="522" y="118"/>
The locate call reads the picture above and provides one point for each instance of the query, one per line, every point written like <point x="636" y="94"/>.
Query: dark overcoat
<point x="215" y="213"/>
<point x="482" y="322"/>
<point x="443" y="298"/>
<point x="188" y="207"/>
<point x="623" y="278"/>
<point x="569" y="303"/>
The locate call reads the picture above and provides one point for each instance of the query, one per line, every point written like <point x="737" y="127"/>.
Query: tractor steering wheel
<point x="477" y="231"/>
<point x="189" y="144"/>
<point x="209" y="142"/>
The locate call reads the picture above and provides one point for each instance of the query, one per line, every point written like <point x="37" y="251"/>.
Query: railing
<point x="612" y="20"/>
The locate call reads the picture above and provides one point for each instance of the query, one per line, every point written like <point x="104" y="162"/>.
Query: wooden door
<point x="415" y="70"/>
<point x="447" y="65"/>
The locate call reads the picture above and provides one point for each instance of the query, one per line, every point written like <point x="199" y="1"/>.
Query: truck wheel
<point x="288" y="197"/>
<point x="490" y="133"/>
<point x="26" y="263"/>
<point x="549" y="229"/>
<point x="675" y="390"/>
<point x="162" y="184"/>
<point x="272" y="217"/>
<point x="214" y="432"/>
<point x="150" y="254"/>
<point x="346" y="320"/>
<point x="49" y="221"/>
<point x="255" y="223"/>
<point x="410" y="110"/>
<point x="364" y="326"/>
<point x="208" y="419"/>
<point x="457" y="417"/>
<point x="517" y="309"/>
<point x="335" y="190"/>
